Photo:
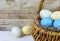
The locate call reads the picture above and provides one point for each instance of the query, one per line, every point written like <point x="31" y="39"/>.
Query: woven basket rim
<point x="41" y="30"/>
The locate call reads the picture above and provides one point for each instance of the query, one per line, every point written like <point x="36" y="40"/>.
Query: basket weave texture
<point x="40" y="34"/>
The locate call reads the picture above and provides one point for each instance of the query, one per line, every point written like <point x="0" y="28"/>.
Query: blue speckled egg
<point x="46" y="22"/>
<point x="56" y="24"/>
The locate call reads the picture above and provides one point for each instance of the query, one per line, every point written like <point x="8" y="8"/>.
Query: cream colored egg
<point x="27" y="29"/>
<point x="16" y="31"/>
<point x="55" y="15"/>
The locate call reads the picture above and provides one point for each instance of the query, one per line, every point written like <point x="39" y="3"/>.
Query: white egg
<point x="16" y="31"/>
<point x="27" y="29"/>
<point x="45" y="13"/>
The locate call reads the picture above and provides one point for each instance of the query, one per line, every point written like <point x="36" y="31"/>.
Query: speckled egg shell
<point x="56" y="24"/>
<point x="55" y="15"/>
<point x="27" y="29"/>
<point x="46" y="22"/>
<point x="16" y="31"/>
<point x="45" y="13"/>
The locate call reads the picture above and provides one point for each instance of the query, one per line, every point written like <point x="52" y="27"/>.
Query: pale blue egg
<point x="45" y="13"/>
<point x="56" y="24"/>
<point x="46" y="22"/>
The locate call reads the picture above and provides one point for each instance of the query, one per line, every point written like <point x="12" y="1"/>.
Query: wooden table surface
<point x="7" y="36"/>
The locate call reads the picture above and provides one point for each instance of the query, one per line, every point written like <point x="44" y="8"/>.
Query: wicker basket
<point x="40" y="34"/>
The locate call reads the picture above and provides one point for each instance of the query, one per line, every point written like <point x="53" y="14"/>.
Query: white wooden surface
<point x="13" y="9"/>
<point x="7" y="24"/>
<point x="7" y="36"/>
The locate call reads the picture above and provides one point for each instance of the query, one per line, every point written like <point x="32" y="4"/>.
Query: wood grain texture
<point x="7" y="24"/>
<point x="16" y="14"/>
<point x="53" y="5"/>
<point x="18" y="9"/>
<point x="25" y="9"/>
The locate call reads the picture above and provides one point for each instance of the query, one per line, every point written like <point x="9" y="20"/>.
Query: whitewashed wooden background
<point x="7" y="24"/>
<point x="22" y="10"/>
<point x="13" y="9"/>
<point x="17" y="13"/>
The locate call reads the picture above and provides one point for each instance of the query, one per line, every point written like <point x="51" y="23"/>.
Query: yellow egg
<point x="27" y="29"/>
<point x="55" y="15"/>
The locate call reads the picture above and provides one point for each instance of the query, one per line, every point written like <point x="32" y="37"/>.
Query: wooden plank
<point x="12" y="14"/>
<point x="7" y="24"/>
<point x="18" y="9"/>
<point x="52" y="5"/>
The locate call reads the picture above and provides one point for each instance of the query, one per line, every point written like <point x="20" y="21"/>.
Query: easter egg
<point x="46" y="22"/>
<point x="56" y="24"/>
<point x="27" y="29"/>
<point x="55" y="15"/>
<point x="45" y="13"/>
<point x="16" y="31"/>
